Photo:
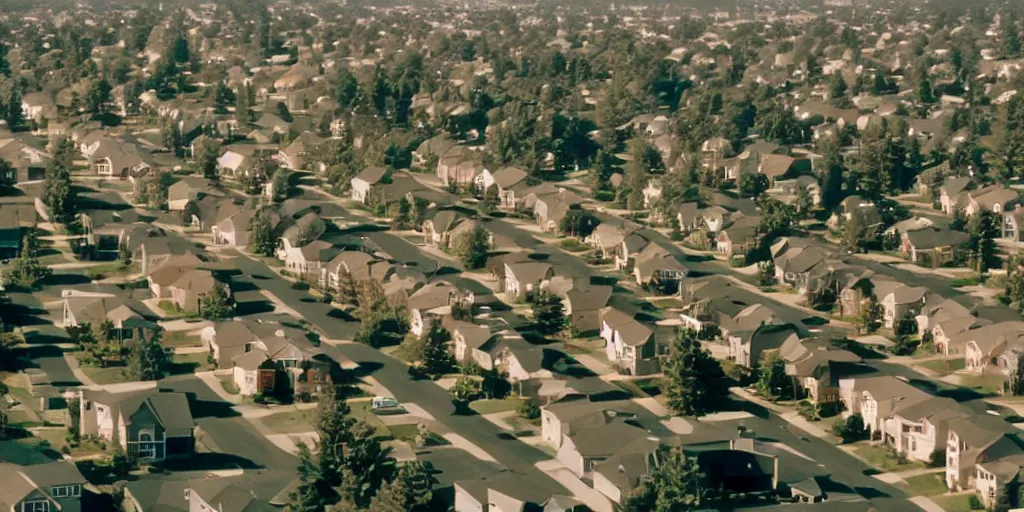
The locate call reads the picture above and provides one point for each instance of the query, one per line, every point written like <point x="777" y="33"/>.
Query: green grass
<point x="361" y="411"/>
<point x="407" y="432"/>
<point x="290" y="422"/>
<point x="954" y="502"/>
<point x="573" y="245"/>
<point x="54" y="259"/>
<point x="668" y="303"/>
<point x="181" y="339"/>
<point x="228" y="383"/>
<point x="984" y="384"/>
<point x="929" y="484"/>
<point x="102" y="271"/>
<point x="945" y="366"/>
<point x="494" y="406"/>
<point x="881" y="458"/>
<point x="109" y="375"/>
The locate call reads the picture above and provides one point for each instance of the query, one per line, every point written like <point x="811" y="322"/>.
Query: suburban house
<point x="266" y="357"/>
<point x="630" y="345"/>
<point x="984" y="345"/>
<point x="919" y="429"/>
<point x="189" y="290"/>
<point x="432" y="302"/>
<point x="55" y="486"/>
<point x="802" y="264"/>
<point x="738" y="237"/>
<point x="607" y="238"/>
<point x="510" y="183"/>
<point x="628" y="250"/>
<point x="433" y="147"/>
<point x="583" y="307"/>
<point x="902" y="302"/>
<point x="574" y="413"/>
<point x="130" y="317"/>
<point x="550" y="205"/>
<point x="747" y="347"/>
<point x="512" y="492"/>
<point x="817" y="367"/>
<point x="116" y="158"/>
<point x="525" y="277"/>
<point x="147" y="424"/>
<point x="214" y="494"/>
<point x="363" y="183"/>
<point x="931" y="247"/>
<point x="207" y="211"/>
<point x="620" y="473"/>
<point x="440" y="230"/>
<point x="1013" y="224"/>
<point x="189" y="189"/>
<point x="953" y="193"/>
<point x="167" y="272"/>
<point x="983" y="453"/>
<point x="584" y="448"/>
<point x="295" y="155"/>
<point x="236" y="230"/>
<point x="946" y="321"/>
<point x="27" y="162"/>
<point x="875" y="398"/>
<point x="355" y="266"/>
<point x="472" y="342"/>
<point x="459" y="166"/>
<point x="995" y="198"/>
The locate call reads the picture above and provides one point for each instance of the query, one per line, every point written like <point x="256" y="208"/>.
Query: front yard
<point x="494" y="406"/>
<point x="944" y="366"/>
<point x="929" y="484"/>
<point x="883" y="458"/>
<point x="290" y="422"/>
<point x="960" y="502"/>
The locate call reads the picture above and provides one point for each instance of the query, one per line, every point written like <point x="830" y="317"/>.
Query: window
<point x="66" y="491"/>
<point x="36" y="506"/>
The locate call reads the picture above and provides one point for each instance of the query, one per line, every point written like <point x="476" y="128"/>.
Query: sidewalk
<point x="790" y="416"/>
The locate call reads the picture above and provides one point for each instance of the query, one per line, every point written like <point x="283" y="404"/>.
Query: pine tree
<point x="772" y="379"/>
<point x="217" y="304"/>
<point x="148" y="360"/>
<point x="437" y="358"/>
<point x="262" y="240"/>
<point x="548" y="313"/>
<point x="696" y="383"/>
<point x="26" y="270"/>
<point x="471" y="247"/>
<point x="59" y="193"/>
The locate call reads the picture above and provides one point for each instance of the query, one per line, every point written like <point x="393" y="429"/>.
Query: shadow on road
<point x="209" y="409"/>
<point x="207" y="461"/>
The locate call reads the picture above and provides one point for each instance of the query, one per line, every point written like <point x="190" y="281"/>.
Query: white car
<point x="385" y="404"/>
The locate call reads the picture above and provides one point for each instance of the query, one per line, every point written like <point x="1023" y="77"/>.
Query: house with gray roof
<point x="363" y="183"/>
<point x="875" y="397"/>
<point x="583" y="307"/>
<point x="510" y="183"/>
<point x="931" y="247"/>
<point x="981" y="454"/>
<point x="221" y="494"/>
<point x="525" y="277"/>
<point x="130" y="317"/>
<point x="919" y="429"/>
<point x="41" y="487"/>
<point x="747" y="347"/>
<point x="629" y="344"/>
<point x="817" y="367"/>
<point x="147" y="424"/>
<point x="582" y="449"/>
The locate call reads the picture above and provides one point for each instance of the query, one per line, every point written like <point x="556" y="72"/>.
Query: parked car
<point x="385" y="405"/>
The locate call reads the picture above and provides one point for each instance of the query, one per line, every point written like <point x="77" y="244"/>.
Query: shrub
<point x="830" y="409"/>
<point x="937" y="459"/>
<point x="850" y="430"/>
<point x="975" y="503"/>
<point x="300" y="286"/>
<point x="258" y="398"/>
<point x="528" y="409"/>
<point x="467" y="389"/>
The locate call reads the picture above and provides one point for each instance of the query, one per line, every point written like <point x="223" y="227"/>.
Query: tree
<point x="243" y="105"/>
<point x="857" y="233"/>
<point x="436" y="357"/>
<point x="578" y="223"/>
<point x="59" y="194"/>
<point x="98" y="97"/>
<point x="982" y="229"/>
<point x="148" y="359"/>
<point x="471" y="247"/>
<point x="870" y="317"/>
<point x="838" y="87"/>
<point x="262" y="241"/>
<point x="416" y="485"/>
<point x="217" y="304"/>
<point x="852" y="429"/>
<point x="222" y="97"/>
<point x="753" y="184"/>
<point x="676" y="485"/>
<point x="206" y="157"/>
<point x="26" y="270"/>
<point x="280" y="185"/>
<point x="467" y="389"/>
<point x="548" y="313"/>
<point x="831" y="173"/>
<point x="772" y="379"/>
<point x="696" y="382"/>
<point x="283" y="113"/>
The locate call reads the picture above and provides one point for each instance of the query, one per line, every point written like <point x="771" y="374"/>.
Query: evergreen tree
<point x="471" y="247"/>
<point x="437" y="358"/>
<point x="262" y="240"/>
<point x="59" y="194"/>
<point x="548" y="313"/>
<point x="149" y="360"/>
<point x="772" y="379"/>
<point x="676" y="485"/>
<point x="26" y="270"/>
<point x="696" y="383"/>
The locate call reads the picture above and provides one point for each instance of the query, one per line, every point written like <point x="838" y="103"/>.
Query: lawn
<point x="361" y="411"/>
<point x="408" y="431"/>
<point x="984" y="384"/>
<point x="228" y="383"/>
<point x="929" y="484"/>
<point x="954" y="502"/>
<point x="668" y="303"/>
<point x="110" y="269"/>
<point x="182" y="339"/>
<point x="108" y="375"/>
<point x="593" y="346"/>
<point x="290" y="422"/>
<point x="189" y="363"/>
<point x="882" y="458"/>
<point x="945" y="366"/>
<point x="494" y="406"/>
<point x="573" y="245"/>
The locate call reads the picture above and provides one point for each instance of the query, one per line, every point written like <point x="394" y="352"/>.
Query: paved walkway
<point x="77" y="370"/>
<point x="790" y="416"/>
<point x="212" y="382"/>
<point x="926" y="503"/>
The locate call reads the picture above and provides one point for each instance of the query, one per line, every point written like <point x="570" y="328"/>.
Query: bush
<point x="300" y="286"/>
<point x="467" y="389"/>
<point x="528" y="409"/>
<point x="975" y="502"/>
<point x="830" y="409"/>
<point x="258" y="398"/>
<point x="852" y="429"/>
<point x="937" y="459"/>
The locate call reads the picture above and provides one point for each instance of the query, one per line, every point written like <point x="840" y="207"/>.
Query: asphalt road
<point x="393" y="374"/>
<point x="236" y="441"/>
